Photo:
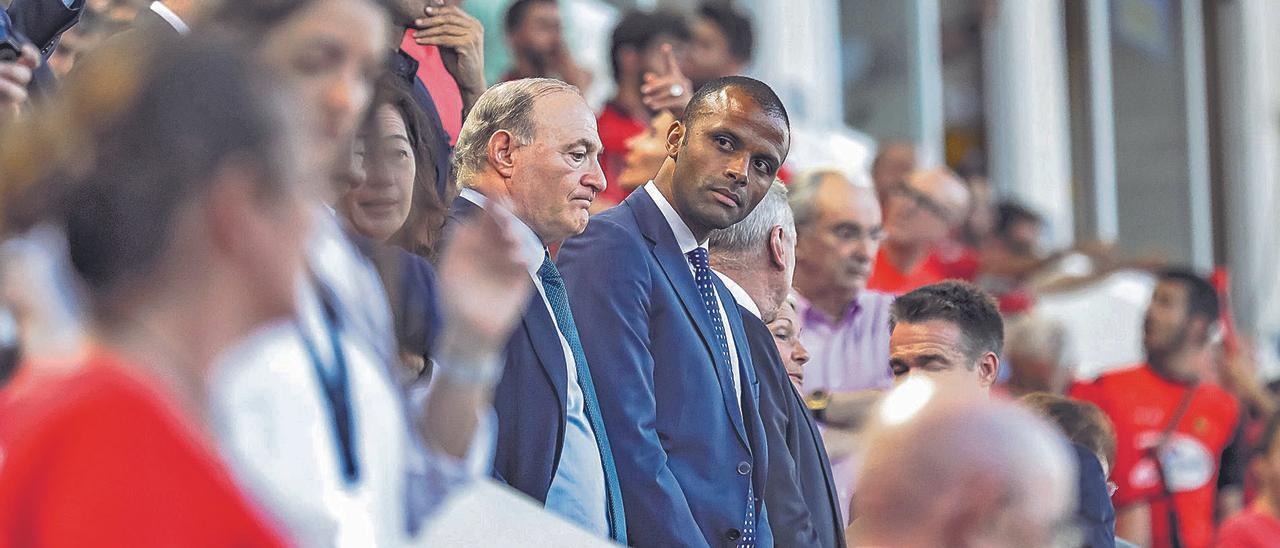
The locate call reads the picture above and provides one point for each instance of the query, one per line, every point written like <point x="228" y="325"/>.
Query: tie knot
<point x="548" y="271"/>
<point x="698" y="258"/>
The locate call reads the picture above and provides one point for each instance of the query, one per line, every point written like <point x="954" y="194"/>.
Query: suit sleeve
<point x="609" y="282"/>
<point x="788" y="513"/>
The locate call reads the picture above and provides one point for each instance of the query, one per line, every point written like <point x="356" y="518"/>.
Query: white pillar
<point x="1194" y="80"/>
<point x="797" y="53"/>
<point x="1027" y="125"/>
<point x="1102" y="126"/>
<point x="1249" y="88"/>
<point x="925" y="28"/>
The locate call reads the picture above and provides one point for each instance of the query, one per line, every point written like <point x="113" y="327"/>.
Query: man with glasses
<point x="838" y="232"/>
<point x="921" y="212"/>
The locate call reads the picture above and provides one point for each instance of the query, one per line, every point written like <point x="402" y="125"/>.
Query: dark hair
<point x="733" y="24"/>
<point x="518" y="10"/>
<point x="639" y="29"/>
<point x="1202" y="298"/>
<point x="1080" y="421"/>
<point x="200" y="105"/>
<point x="758" y="91"/>
<point x="971" y="310"/>
<point x="426" y="202"/>
<point x="1011" y="213"/>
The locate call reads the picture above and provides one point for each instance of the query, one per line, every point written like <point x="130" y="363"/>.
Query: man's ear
<point x="675" y="138"/>
<point x="501" y="147"/>
<point x="777" y="248"/>
<point x="988" y="369"/>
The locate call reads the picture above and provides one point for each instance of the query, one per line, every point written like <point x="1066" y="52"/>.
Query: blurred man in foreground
<point x="962" y="473"/>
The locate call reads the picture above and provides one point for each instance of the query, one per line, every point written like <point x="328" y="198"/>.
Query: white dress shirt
<point x="687" y="243"/>
<point x="577" y="489"/>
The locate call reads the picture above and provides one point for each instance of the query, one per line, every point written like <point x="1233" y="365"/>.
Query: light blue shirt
<point x="577" y="490"/>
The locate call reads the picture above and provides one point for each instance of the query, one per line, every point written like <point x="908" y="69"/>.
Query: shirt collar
<point x="531" y="248"/>
<point x="172" y="18"/>
<point x="740" y="295"/>
<point x="809" y="314"/>
<point x="684" y="236"/>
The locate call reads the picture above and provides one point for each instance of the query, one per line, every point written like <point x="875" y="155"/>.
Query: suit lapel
<point x="546" y="344"/>
<point x="537" y="320"/>
<point x="833" y="496"/>
<point x="674" y="264"/>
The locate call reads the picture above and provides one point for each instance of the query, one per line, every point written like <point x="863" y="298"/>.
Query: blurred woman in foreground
<point x="187" y="224"/>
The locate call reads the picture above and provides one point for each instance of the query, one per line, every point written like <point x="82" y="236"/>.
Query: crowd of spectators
<point x="291" y="272"/>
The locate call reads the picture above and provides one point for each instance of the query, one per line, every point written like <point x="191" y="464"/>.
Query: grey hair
<point x="804" y="193"/>
<point x="748" y="235"/>
<point x="505" y="107"/>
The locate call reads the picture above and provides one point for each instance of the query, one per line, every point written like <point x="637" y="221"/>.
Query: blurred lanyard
<point x="333" y="379"/>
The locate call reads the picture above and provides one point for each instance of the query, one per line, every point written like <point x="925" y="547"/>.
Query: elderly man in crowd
<point x="756" y="258"/>
<point x="838" y="232"/>
<point x="533" y="143"/>
<point x="919" y="214"/>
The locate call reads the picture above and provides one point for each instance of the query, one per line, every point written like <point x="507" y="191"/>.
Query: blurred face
<point x="709" y="56"/>
<point x="646" y="152"/>
<point x="330" y="51"/>
<point x="725" y="161"/>
<point x="923" y="209"/>
<point x="539" y="34"/>
<point x="892" y="166"/>
<point x="1022" y="238"/>
<point x="274" y="231"/>
<point x="786" y="335"/>
<point x="1166" y="325"/>
<point x="378" y="204"/>
<point x="935" y="350"/>
<point x="557" y="176"/>
<point x="837" y="250"/>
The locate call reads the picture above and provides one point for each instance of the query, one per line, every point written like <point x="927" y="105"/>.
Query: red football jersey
<point x="1250" y="529"/>
<point x="102" y="457"/>
<point x="1140" y="404"/>
<point x="887" y="278"/>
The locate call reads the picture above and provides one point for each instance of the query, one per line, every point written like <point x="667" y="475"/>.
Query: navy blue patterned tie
<point x="553" y="285"/>
<point x="702" y="274"/>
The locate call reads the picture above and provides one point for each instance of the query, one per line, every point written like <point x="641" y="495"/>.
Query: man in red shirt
<point x="646" y="49"/>
<point x="1171" y="425"/>
<point x="1259" y="525"/>
<point x="921" y="212"/>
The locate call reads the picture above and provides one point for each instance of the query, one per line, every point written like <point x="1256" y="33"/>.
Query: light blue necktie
<point x="553" y="285"/>
<point x="702" y="274"/>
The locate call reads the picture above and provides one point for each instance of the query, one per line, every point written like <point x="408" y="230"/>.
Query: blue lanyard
<point x="336" y="388"/>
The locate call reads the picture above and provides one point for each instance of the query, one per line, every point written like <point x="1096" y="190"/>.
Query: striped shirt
<point x="849" y="355"/>
<point x="852" y="353"/>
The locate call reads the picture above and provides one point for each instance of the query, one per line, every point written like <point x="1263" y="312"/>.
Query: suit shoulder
<point x="606" y="236"/>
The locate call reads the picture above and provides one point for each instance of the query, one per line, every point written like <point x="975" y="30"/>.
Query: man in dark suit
<point x="533" y="144"/>
<point x="756" y="259"/>
<point x="664" y="337"/>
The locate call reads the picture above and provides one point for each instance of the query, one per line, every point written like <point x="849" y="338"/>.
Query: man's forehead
<point x="920" y="336"/>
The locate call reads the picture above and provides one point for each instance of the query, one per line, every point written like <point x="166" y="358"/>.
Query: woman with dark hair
<point x="393" y="197"/>
<point x="186" y="219"/>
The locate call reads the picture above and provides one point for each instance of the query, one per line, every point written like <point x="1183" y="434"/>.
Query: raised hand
<point x="668" y="89"/>
<point x="14" y="77"/>
<point x="484" y="287"/>
<point x="460" y="38"/>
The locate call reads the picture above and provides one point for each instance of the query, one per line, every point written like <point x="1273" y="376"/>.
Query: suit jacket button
<point x="744" y="468"/>
<point x="733" y="534"/>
